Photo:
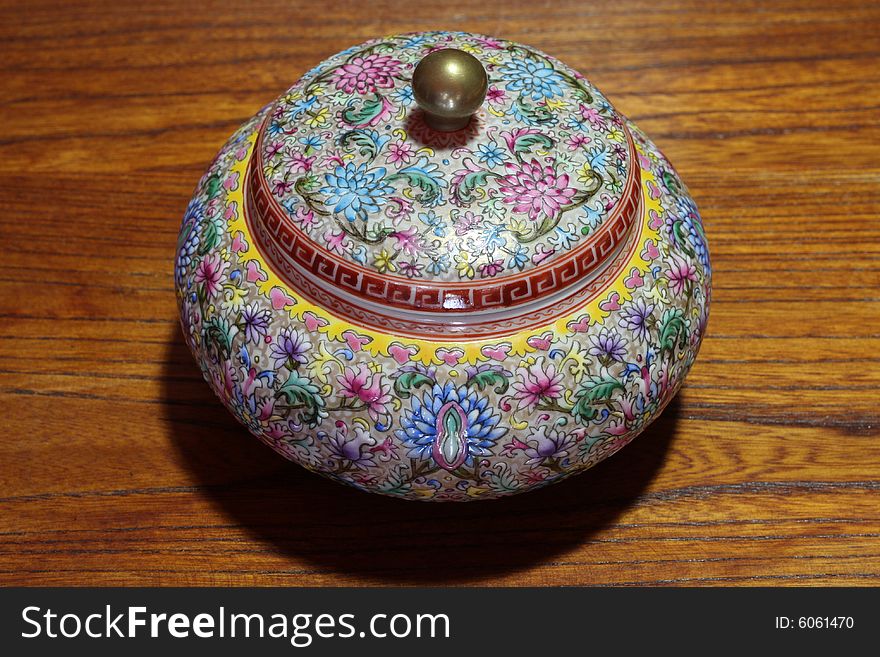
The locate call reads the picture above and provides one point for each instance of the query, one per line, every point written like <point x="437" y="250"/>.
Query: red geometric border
<point x="287" y="247"/>
<point x="322" y="295"/>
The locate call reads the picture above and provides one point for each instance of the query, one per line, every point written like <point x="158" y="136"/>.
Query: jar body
<point x="432" y="419"/>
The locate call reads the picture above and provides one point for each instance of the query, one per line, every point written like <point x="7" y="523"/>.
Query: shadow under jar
<point x="442" y="266"/>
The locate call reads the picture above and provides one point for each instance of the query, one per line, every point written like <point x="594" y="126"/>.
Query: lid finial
<point x="449" y="85"/>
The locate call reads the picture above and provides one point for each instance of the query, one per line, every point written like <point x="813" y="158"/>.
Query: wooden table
<point x="118" y="466"/>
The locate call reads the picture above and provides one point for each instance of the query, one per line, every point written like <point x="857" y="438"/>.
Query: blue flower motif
<point x="187" y="251"/>
<point x="403" y="95"/>
<point x="686" y="214"/>
<point x="449" y="426"/>
<point x="490" y="154"/>
<point x="359" y="254"/>
<point x="518" y="257"/>
<point x="311" y="141"/>
<point x="431" y="220"/>
<point x="577" y="123"/>
<point x="301" y="106"/>
<point x="493" y="236"/>
<point x="290" y="204"/>
<point x="414" y="41"/>
<point x="563" y="237"/>
<point x="356" y="191"/>
<point x="532" y="77"/>
<point x="439" y="265"/>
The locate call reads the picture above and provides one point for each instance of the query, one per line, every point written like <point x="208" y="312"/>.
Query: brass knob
<point x="449" y="85"/>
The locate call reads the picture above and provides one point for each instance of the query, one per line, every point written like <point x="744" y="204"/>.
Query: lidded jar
<point x="441" y="266"/>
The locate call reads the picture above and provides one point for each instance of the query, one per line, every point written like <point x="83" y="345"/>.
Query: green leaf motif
<point x="464" y="191"/>
<point x="368" y="142"/>
<point x="681" y="238"/>
<point x="300" y="391"/>
<point x="502" y="479"/>
<point x="601" y="388"/>
<point x="672" y="329"/>
<point x="490" y="377"/>
<point x="212" y="185"/>
<point x="527" y="142"/>
<point x="596" y="390"/>
<point x="583" y="410"/>
<point x="309" y="183"/>
<point x="210" y="236"/>
<point x="671" y="182"/>
<point x="409" y="381"/>
<point x="304" y="187"/>
<point x="420" y="179"/>
<point x="532" y="114"/>
<point x="397" y="482"/>
<point x="366" y="114"/>
<point x="219" y="333"/>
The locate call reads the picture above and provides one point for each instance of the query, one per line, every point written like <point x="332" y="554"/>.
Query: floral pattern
<point x="347" y="155"/>
<point x="441" y="420"/>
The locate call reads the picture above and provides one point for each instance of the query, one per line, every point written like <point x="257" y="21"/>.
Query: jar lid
<point x="433" y="221"/>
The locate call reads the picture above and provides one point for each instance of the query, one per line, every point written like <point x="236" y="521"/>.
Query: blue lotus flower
<point x="356" y="191"/>
<point x="686" y="214"/>
<point x="187" y="251"/>
<point x="534" y="78"/>
<point x="694" y="227"/>
<point x="450" y="426"/>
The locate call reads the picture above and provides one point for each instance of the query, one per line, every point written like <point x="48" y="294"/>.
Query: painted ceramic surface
<point x="444" y="419"/>
<point x="347" y="154"/>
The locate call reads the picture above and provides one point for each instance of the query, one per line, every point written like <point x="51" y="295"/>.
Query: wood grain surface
<point x="118" y="465"/>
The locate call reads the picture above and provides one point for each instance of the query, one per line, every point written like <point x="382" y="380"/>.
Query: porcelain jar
<point x="435" y="313"/>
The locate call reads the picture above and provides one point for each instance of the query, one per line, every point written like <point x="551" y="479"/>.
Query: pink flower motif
<point x="592" y="115"/>
<point x="650" y="252"/>
<point x="385" y="451"/>
<point x="492" y="44"/>
<point x="231" y="212"/>
<point x="400" y="151"/>
<point x="297" y="162"/>
<point x="537" y="383"/>
<point x="535" y="189"/>
<point x="304" y="216"/>
<point x="231" y="182"/>
<point x="367" y="388"/>
<point x="333" y="160"/>
<point x="408" y="240"/>
<point x="210" y="273"/>
<point x="336" y="241"/>
<point x="366" y="74"/>
<point x="464" y="223"/>
<point x="577" y="141"/>
<point x="399" y="208"/>
<point x="496" y="95"/>
<point x="410" y="269"/>
<point x="679" y="273"/>
<point x="281" y="187"/>
<point x="491" y="268"/>
<point x="273" y="149"/>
